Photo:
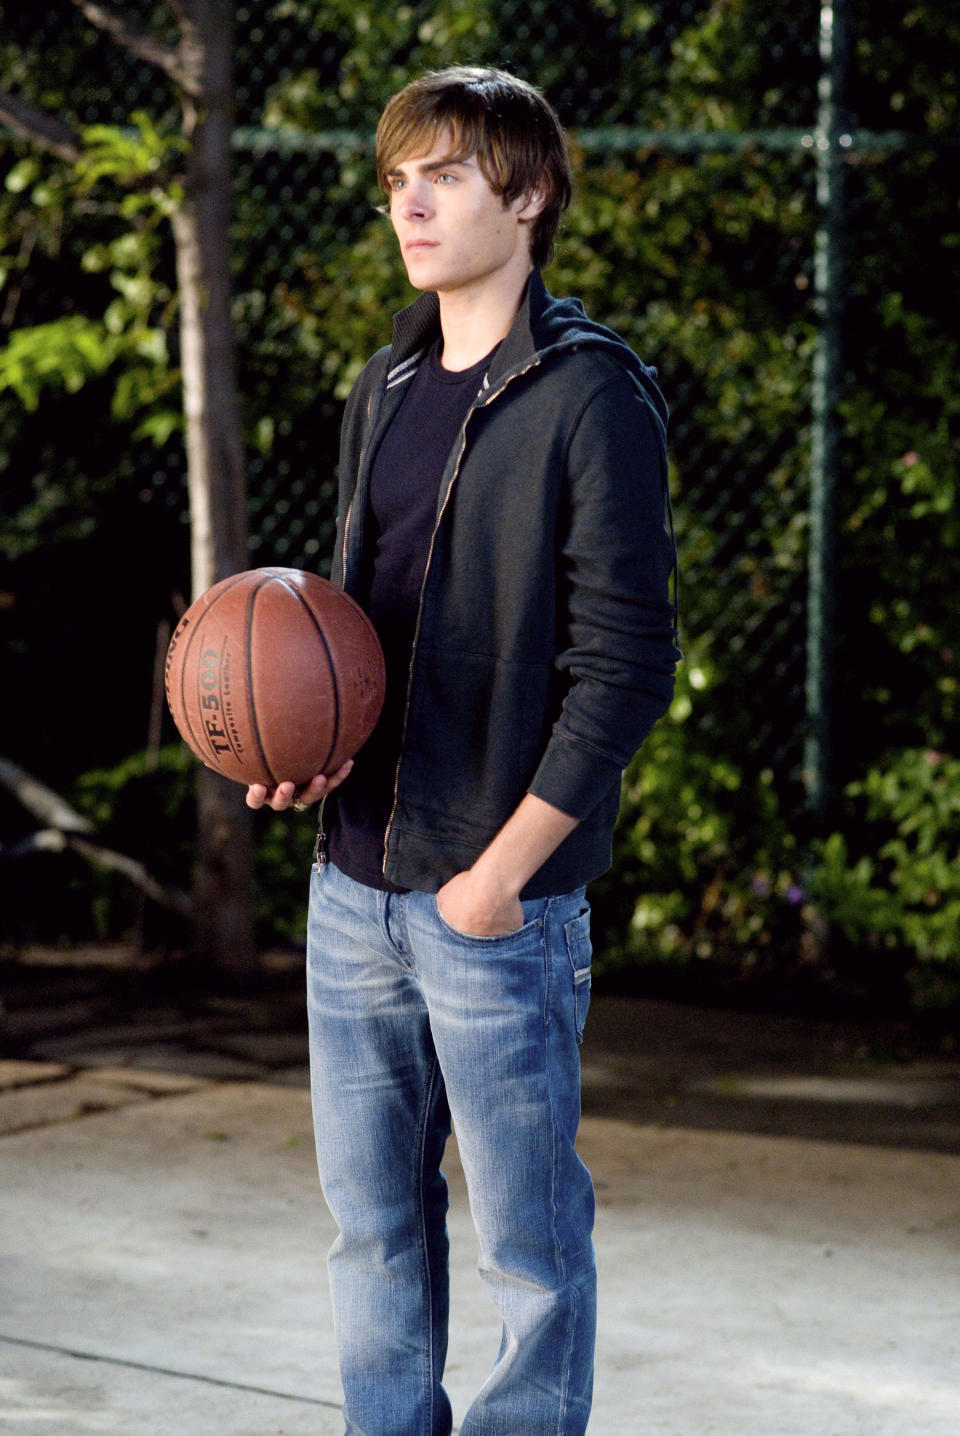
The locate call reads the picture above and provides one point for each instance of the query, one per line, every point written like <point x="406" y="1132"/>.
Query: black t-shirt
<point x="404" y="492"/>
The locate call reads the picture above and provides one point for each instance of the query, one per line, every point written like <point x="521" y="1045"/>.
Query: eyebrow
<point x="426" y="169"/>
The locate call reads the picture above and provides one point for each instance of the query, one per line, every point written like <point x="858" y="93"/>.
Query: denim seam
<point x="552" y="928"/>
<point x="423" y="1118"/>
<point x="560" y="929"/>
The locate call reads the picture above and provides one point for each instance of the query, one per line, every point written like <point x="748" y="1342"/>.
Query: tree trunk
<point x="223" y="930"/>
<point x="202" y="67"/>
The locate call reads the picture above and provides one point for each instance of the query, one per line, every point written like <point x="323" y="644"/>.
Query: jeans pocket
<point x="580" y="953"/>
<point x="485" y="939"/>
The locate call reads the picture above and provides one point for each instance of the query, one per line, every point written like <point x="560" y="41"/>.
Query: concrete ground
<point x="778" y="1223"/>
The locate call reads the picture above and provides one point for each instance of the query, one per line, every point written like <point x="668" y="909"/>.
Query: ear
<point x="530" y="204"/>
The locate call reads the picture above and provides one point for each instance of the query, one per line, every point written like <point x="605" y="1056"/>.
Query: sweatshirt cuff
<point x="574" y="779"/>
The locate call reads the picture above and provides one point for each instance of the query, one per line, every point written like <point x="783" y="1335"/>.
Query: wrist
<point x="496" y="879"/>
<point x="520" y="849"/>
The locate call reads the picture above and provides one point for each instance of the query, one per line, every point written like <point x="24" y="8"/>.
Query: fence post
<point x="830" y="141"/>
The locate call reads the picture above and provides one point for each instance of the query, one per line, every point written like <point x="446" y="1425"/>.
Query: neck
<point x="474" y="321"/>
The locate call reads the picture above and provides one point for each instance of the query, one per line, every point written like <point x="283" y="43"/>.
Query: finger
<point x="283" y="795"/>
<point x="319" y="786"/>
<point x="256" y="795"/>
<point x="335" y="779"/>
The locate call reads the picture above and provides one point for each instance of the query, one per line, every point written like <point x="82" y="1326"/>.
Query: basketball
<point x="274" y="674"/>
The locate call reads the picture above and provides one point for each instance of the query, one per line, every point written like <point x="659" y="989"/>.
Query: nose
<point x="412" y="202"/>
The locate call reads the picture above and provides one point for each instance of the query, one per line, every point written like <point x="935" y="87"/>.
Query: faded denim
<point x="412" y="1021"/>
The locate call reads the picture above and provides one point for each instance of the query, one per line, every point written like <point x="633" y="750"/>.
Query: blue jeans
<point x="411" y="1022"/>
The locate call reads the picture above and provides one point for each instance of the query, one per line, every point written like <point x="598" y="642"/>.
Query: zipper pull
<point x="320" y="846"/>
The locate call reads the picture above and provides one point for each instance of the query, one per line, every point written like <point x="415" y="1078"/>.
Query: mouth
<point x="414" y="246"/>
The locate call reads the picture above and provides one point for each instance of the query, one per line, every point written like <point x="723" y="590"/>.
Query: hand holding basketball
<point x="292" y="795"/>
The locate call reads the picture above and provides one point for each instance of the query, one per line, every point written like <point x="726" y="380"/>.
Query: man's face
<point x="454" y="232"/>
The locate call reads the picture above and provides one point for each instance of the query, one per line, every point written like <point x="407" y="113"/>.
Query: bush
<point x="706" y="868"/>
<point x="896" y="888"/>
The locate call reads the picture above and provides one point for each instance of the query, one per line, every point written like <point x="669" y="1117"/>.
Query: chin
<point x="420" y="276"/>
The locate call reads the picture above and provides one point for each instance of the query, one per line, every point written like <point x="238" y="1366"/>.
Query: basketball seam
<point x="334" y="677"/>
<point x="268" y="575"/>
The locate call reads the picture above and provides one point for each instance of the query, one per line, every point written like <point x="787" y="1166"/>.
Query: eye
<point x="445" y="177"/>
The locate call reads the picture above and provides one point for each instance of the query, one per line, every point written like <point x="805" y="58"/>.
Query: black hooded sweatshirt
<point x="546" y="639"/>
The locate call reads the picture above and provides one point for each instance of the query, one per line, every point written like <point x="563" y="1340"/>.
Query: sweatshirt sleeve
<point x="618" y="645"/>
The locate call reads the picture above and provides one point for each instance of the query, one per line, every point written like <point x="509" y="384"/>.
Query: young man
<point x="503" y="520"/>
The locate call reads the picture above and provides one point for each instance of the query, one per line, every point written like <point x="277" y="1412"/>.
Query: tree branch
<point x="52" y="840"/>
<point x="138" y="42"/>
<point x="44" y="130"/>
<point x="42" y="801"/>
<point x="69" y="829"/>
<point x="135" y="871"/>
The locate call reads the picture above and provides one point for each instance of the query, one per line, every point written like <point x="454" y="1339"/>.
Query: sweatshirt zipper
<point x="346" y="533"/>
<point x="320" y="846"/>
<point x="478" y="404"/>
<point x="320" y="842"/>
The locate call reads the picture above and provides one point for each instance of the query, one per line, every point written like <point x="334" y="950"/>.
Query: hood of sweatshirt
<point x="544" y="326"/>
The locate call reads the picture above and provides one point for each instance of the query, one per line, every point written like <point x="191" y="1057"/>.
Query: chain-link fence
<point x="765" y="208"/>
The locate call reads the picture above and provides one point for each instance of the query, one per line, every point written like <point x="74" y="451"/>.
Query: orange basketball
<point x="274" y="674"/>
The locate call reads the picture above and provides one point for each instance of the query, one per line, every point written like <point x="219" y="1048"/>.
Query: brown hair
<point x="509" y="126"/>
